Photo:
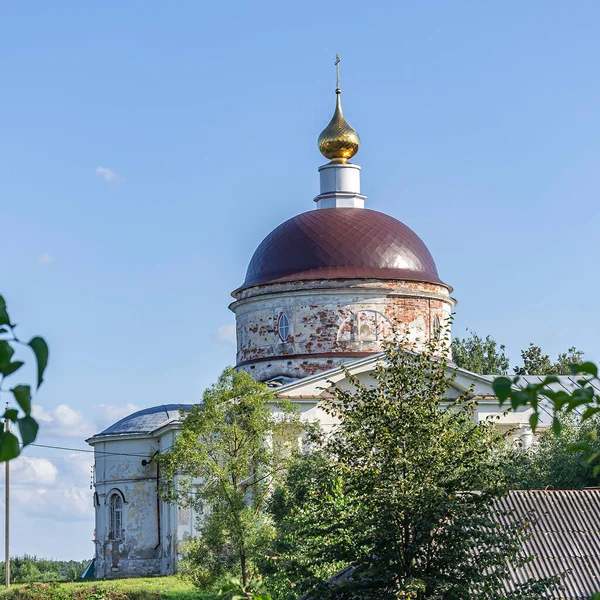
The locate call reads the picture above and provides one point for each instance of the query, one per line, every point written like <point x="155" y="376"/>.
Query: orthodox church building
<point x="322" y="290"/>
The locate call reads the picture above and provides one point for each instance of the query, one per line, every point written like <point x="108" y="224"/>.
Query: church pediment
<point x="319" y="385"/>
<point x="310" y="390"/>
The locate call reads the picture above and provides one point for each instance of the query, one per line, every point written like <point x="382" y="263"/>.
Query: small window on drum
<point x="283" y="327"/>
<point x="436" y="326"/>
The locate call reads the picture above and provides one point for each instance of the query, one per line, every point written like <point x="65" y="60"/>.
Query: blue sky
<point x="146" y="148"/>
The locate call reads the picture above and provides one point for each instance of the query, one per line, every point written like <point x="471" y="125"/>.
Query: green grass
<point x="154" y="588"/>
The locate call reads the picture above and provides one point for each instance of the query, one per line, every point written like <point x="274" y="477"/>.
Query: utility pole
<point x="6" y="512"/>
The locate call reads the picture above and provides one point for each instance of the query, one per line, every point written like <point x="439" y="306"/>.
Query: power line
<point x="88" y="451"/>
<point x="59" y="457"/>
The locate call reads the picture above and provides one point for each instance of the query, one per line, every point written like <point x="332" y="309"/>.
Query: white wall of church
<point x="148" y="539"/>
<point x="119" y="471"/>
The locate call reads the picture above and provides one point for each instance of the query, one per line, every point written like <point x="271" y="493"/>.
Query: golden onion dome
<point x="338" y="141"/>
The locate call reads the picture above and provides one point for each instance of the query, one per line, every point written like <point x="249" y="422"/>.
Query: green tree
<point x="551" y="462"/>
<point x="232" y="451"/>
<point x="535" y="362"/>
<point x="567" y="359"/>
<point x="487" y="357"/>
<point x="402" y="489"/>
<point x="583" y="399"/>
<point x="480" y="355"/>
<point x="29" y="569"/>
<point x="21" y="394"/>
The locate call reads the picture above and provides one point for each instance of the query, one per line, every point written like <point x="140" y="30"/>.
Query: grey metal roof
<point x="564" y="537"/>
<point x="146" y="420"/>
<point x="567" y="383"/>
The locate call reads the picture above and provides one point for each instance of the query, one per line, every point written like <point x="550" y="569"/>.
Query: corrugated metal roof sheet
<point x="564" y="537"/>
<point x="567" y="383"/>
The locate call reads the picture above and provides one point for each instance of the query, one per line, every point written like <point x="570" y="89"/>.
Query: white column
<point x="340" y="186"/>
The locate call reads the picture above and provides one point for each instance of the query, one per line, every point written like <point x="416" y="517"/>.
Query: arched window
<point x="115" y="531"/>
<point x="283" y="327"/>
<point x="436" y="326"/>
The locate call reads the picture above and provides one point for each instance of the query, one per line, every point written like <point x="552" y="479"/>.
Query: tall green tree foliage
<point x="402" y="489"/>
<point x="551" y="462"/>
<point x="20" y="410"/>
<point x="488" y="357"/>
<point x="480" y="355"/>
<point x="535" y="362"/>
<point x="27" y="569"/>
<point x="232" y="451"/>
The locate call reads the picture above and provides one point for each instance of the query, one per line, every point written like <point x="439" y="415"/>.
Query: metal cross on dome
<point x="337" y="71"/>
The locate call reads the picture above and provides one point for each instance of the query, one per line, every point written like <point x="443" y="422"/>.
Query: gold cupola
<point x="338" y="141"/>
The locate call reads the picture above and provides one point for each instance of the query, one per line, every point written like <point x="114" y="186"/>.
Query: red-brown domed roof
<point x="341" y="243"/>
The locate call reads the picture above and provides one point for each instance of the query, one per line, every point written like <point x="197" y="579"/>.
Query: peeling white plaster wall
<point x="331" y="322"/>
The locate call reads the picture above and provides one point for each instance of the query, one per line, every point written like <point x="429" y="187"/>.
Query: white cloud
<point x="35" y="470"/>
<point x="110" y="414"/>
<point x="41" y="414"/>
<point x="108" y="175"/>
<point x="67" y="417"/>
<point x="114" y="413"/>
<point x="226" y="333"/>
<point x="54" y="503"/>
<point x="79" y="466"/>
<point x="63" y="421"/>
<point x="66" y="422"/>
<point x="45" y="259"/>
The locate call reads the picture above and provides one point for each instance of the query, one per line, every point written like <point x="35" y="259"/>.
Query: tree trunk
<point x="244" y="565"/>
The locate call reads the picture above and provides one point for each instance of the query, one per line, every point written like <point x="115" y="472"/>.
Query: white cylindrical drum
<point x="340" y="178"/>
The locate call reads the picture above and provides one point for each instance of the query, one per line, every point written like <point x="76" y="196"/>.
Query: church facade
<point x="322" y="290"/>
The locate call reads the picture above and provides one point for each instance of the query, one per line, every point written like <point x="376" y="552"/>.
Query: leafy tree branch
<point x="20" y="411"/>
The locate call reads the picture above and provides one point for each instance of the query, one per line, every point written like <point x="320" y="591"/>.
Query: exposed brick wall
<point x="330" y="322"/>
